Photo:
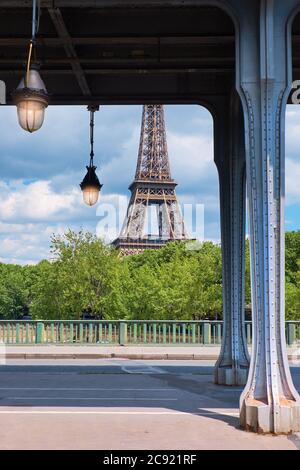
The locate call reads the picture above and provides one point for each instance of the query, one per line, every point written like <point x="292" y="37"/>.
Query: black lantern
<point x="90" y="184"/>
<point x="31" y="97"/>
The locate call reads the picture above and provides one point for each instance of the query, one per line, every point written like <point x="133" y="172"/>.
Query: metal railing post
<point x="249" y="333"/>
<point x="219" y="334"/>
<point x="206" y="333"/>
<point x="122" y="333"/>
<point x="18" y="333"/>
<point x="39" y="332"/>
<point x="291" y="334"/>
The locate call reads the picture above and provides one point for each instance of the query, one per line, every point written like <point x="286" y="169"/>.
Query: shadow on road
<point x="132" y="387"/>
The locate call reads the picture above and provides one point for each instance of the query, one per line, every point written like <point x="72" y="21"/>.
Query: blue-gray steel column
<point x="233" y="363"/>
<point x="269" y="403"/>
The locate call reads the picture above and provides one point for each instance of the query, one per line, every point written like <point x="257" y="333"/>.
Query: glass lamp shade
<point x="30" y="115"/>
<point x="90" y="195"/>
<point x="31" y="102"/>
<point x="90" y="186"/>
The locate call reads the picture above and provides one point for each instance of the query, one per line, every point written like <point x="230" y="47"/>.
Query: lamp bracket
<point x="93" y="107"/>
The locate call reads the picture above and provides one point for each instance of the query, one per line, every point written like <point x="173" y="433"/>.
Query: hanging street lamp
<point x="31" y="97"/>
<point x="90" y="185"/>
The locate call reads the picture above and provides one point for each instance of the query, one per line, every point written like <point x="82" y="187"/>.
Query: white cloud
<point x="191" y="156"/>
<point x="39" y="192"/>
<point x="53" y="161"/>
<point x="34" y="201"/>
<point x="292" y="181"/>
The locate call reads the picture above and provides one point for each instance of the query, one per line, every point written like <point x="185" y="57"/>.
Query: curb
<point x="145" y="356"/>
<point x="166" y="356"/>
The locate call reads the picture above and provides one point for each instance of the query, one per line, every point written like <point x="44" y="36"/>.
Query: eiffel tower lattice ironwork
<point x="152" y="186"/>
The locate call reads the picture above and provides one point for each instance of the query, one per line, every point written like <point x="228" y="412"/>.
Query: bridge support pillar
<point x="269" y="403"/>
<point x="233" y="363"/>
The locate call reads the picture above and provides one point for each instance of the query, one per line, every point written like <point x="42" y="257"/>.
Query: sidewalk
<point x="51" y="351"/>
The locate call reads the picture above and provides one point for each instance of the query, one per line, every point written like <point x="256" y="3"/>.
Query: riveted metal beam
<point x="125" y="41"/>
<point x="233" y="362"/>
<point x="69" y="48"/>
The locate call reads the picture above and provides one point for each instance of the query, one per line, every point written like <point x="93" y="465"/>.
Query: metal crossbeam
<point x="127" y="41"/>
<point x="126" y="71"/>
<point x="66" y="39"/>
<point x="134" y="61"/>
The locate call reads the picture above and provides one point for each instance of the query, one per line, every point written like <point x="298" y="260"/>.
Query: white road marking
<point x="142" y="370"/>
<point x="142" y="413"/>
<point x="90" y="398"/>
<point x="92" y="389"/>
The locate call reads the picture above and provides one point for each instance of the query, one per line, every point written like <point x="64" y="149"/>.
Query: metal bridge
<point x="236" y="57"/>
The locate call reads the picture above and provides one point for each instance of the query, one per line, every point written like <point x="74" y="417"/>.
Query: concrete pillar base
<point x="231" y="376"/>
<point x="260" y="417"/>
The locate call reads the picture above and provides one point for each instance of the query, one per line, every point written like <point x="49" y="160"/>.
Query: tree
<point x="48" y="300"/>
<point x="79" y="279"/>
<point x="88" y="278"/>
<point x="175" y="283"/>
<point x="206" y="289"/>
<point x="15" y="290"/>
<point x="292" y="256"/>
<point x="293" y="300"/>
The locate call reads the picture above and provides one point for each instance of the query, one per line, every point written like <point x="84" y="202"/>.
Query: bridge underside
<point x="189" y="51"/>
<point x="115" y="52"/>
<point x="122" y="55"/>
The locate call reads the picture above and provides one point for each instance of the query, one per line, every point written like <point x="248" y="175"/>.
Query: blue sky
<point x="40" y="173"/>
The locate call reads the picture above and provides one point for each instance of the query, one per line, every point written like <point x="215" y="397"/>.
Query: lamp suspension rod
<point x="34" y="20"/>
<point x="92" y="112"/>
<point x="34" y="29"/>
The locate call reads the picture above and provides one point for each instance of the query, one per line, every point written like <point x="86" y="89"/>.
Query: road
<point x="123" y="404"/>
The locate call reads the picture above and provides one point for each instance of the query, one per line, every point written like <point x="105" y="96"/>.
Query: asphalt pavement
<point x="123" y="404"/>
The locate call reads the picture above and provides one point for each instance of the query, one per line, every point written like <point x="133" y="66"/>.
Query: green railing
<point x="124" y="332"/>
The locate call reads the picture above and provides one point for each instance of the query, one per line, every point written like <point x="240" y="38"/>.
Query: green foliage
<point x="292" y="257"/>
<point x="15" y="289"/>
<point x="47" y="293"/>
<point x="174" y="283"/>
<point x="78" y="281"/>
<point x="293" y="300"/>
<point x="247" y="274"/>
<point x="86" y="277"/>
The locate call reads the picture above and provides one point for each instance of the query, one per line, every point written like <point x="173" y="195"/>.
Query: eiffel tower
<point x="152" y="187"/>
